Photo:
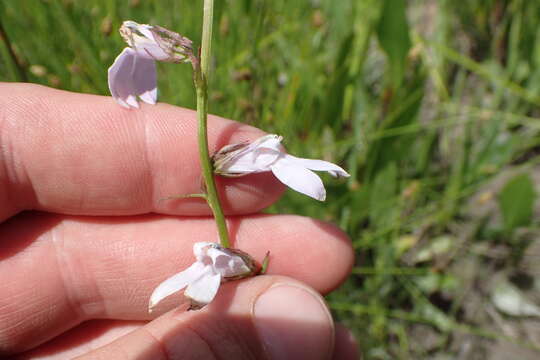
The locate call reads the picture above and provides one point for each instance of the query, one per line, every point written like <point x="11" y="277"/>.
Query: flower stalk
<point x="201" y="72"/>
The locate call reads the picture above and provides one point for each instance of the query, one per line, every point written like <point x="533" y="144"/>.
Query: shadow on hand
<point x="80" y="338"/>
<point x="20" y="231"/>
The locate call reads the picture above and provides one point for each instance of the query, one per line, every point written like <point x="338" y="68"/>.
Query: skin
<point x="86" y="235"/>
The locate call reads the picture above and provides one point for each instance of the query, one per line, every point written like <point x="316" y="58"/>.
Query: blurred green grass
<point x="426" y="103"/>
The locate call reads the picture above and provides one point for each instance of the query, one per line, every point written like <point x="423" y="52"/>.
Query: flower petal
<point x="199" y="249"/>
<point x="246" y="158"/>
<point x="141" y="39"/>
<point x="145" y="80"/>
<point x="257" y="156"/>
<point x="272" y="142"/>
<point x="119" y="76"/>
<point x="131" y="100"/>
<point x="130" y="76"/>
<point x="145" y="29"/>
<point x="177" y="282"/>
<point x="150" y="50"/>
<point x="203" y="290"/>
<point x="299" y="179"/>
<point x="258" y="160"/>
<point x="318" y="165"/>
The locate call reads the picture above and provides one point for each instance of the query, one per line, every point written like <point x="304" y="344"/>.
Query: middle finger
<point x="58" y="270"/>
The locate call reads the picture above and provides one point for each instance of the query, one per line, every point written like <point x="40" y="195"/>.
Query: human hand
<point x="85" y="237"/>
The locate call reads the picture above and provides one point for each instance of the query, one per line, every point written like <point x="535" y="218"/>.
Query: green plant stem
<point x="201" y="83"/>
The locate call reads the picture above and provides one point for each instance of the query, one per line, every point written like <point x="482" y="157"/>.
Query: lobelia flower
<point x="133" y="73"/>
<point x="267" y="154"/>
<point x="214" y="264"/>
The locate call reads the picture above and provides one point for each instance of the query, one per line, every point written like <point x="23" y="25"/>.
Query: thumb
<point x="265" y="317"/>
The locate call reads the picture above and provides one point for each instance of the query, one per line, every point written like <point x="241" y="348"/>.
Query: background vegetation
<point x="432" y="105"/>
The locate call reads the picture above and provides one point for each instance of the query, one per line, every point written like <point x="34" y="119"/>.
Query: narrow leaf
<point x="394" y="39"/>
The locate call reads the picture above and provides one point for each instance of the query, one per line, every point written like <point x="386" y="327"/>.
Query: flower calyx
<point x="157" y="42"/>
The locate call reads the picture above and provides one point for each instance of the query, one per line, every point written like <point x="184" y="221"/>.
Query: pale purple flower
<point x="213" y="265"/>
<point x="267" y="154"/>
<point x="133" y="73"/>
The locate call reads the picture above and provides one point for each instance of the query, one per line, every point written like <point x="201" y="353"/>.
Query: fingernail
<point x="293" y="323"/>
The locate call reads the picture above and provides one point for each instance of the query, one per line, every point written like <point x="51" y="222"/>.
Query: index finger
<point x="83" y="154"/>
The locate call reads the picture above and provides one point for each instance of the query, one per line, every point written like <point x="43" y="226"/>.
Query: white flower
<point x="267" y="154"/>
<point x="133" y="73"/>
<point x="213" y="265"/>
